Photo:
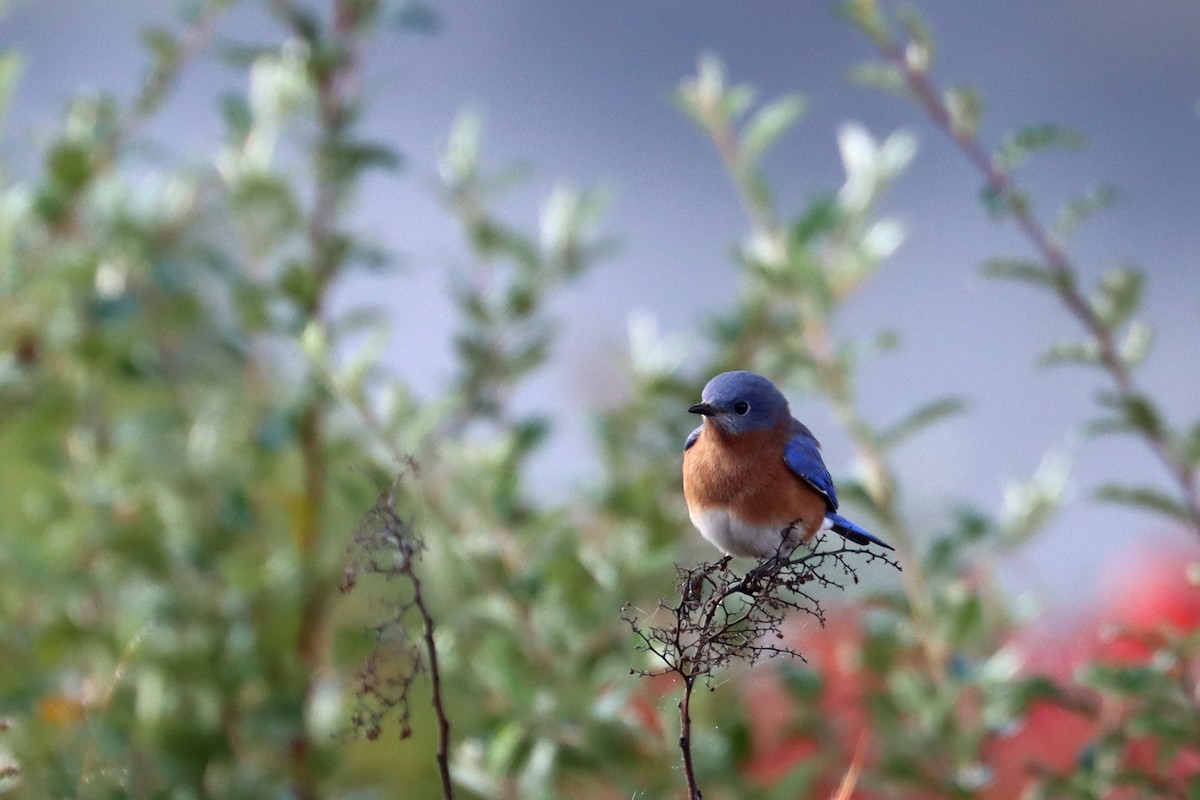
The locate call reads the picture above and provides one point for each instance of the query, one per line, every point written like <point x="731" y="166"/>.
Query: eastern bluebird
<point x="753" y="475"/>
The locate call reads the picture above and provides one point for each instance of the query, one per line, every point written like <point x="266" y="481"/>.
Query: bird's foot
<point x="755" y="576"/>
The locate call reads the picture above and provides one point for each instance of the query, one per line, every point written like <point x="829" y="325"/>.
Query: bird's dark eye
<point x="741" y="408"/>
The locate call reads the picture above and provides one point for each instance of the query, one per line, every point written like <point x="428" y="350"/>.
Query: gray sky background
<point x="581" y="90"/>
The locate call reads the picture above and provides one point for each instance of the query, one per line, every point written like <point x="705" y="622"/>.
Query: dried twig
<point x="385" y="544"/>
<point x="720" y="616"/>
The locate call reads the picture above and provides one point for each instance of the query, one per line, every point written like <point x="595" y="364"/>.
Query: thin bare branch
<point x="387" y="545"/>
<point x="720" y="616"/>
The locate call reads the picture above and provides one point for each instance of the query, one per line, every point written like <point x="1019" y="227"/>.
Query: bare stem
<point x="388" y="546"/>
<point x="435" y="679"/>
<point x="929" y="95"/>
<point x="685" y="737"/>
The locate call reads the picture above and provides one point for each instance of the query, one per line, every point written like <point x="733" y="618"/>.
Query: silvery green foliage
<point x="1142" y="750"/>
<point x="188" y="434"/>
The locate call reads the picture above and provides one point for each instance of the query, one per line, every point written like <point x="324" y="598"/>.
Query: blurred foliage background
<point x="190" y="435"/>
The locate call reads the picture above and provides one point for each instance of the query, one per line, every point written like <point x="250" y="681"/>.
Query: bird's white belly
<point x="736" y="538"/>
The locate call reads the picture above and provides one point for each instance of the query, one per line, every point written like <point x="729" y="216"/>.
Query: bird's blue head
<point x="741" y="402"/>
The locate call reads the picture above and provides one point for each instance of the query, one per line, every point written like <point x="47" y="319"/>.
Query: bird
<point x="753" y="477"/>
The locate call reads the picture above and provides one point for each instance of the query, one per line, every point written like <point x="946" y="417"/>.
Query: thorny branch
<point x="720" y="616"/>
<point x="387" y="545"/>
<point x="1000" y="182"/>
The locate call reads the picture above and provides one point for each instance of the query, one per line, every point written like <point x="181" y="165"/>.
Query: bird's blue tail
<point x="849" y="530"/>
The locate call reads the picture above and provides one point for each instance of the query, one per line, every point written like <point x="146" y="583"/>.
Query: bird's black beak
<point x="703" y="408"/>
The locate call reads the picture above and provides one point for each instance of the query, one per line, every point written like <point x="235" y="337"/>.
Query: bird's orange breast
<point x="747" y="475"/>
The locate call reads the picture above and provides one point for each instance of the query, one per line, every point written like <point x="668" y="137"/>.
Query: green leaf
<point x="1135" y="415"/>
<point x="1008" y="700"/>
<point x="698" y="97"/>
<point x="965" y="106"/>
<point x="867" y="15"/>
<point x="1145" y="497"/>
<point x="530" y="433"/>
<point x="239" y="119"/>
<point x="373" y="258"/>
<point x="1119" y="295"/>
<point x="10" y="72"/>
<point x="1125" y="680"/>
<point x="918" y="52"/>
<point x="298" y="283"/>
<point x="921" y="419"/>
<point x="304" y="22"/>
<point x="964" y="617"/>
<point x="887" y="340"/>
<point x="1020" y="269"/>
<point x="460" y="164"/>
<point x="161" y="43"/>
<point x="706" y="99"/>
<point x="242" y="55"/>
<point x="1135" y="345"/>
<point x="1031" y="503"/>
<point x="736" y="101"/>
<point x="1107" y="426"/>
<point x="758" y="191"/>
<point x="265" y="211"/>
<point x="416" y="17"/>
<point x="1070" y="352"/>
<point x="882" y="76"/>
<point x="945" y="555"/>
<point x="1137" y="410"/>
<point x="823" y="216"/>
<point x="1000" y="204"/>
<point x="348" y="159"/>
<point x="70" y="164"/>
<point x="1024" y="141"/>
<point x="567" y="221"/>
<point x="771" y="122"/>
<point x="1081" y="209"/>
<point x="1191" y="446"/>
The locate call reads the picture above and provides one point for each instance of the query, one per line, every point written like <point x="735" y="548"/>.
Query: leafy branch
<point x="798" y="273"/>
<point x="1115" y="342"/>
<point x="172" y="52"/>
<point x="475" y="503"/>
<point x="332" y="56"/>
<point x="505" y="333"/>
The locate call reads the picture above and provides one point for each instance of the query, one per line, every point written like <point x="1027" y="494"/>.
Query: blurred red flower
<point x="1149" y="596"/>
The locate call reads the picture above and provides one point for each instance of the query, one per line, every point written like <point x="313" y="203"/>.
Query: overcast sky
<point x="581" y="90"/>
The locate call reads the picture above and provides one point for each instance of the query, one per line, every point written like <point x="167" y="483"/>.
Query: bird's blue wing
<point x="692" y="437"/>
<point x="802" y="454"/>
<point x="848" y="530"/>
